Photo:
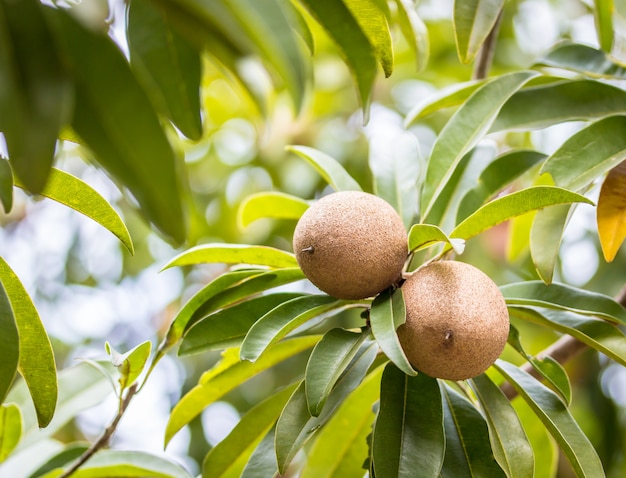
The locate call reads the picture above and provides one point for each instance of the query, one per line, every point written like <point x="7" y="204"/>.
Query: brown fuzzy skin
<point x="351" y="245"/>
<point x="457" y="322"/>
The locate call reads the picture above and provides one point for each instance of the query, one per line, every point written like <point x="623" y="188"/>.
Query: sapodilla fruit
<point x="457" y="322"/>
<point x="351" y="244"/>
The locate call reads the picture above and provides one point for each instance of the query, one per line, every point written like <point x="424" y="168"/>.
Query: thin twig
<point x="563" y="350"/>
<point x="484" y="57"/>
<point x="108" y="432"/>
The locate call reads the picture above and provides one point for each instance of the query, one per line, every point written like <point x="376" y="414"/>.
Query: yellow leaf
<point x="611" y="213"/>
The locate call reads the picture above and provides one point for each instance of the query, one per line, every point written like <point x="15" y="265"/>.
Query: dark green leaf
<point x="10" y="429"/>
<point x="168" y="65"/>
<point x="468" y="450"/>
<point x="63" y="458"/>
<point x="115" y="118"/>
<point x="557" y="419"/>
<point x="473" y="21"/>
<point x="228" y="327"/>
<point x="509" y="442"/>
<point x="271" y="204"/>
<point x="583" y="59"/>
<point x="409" y="438"/>
<point x="262" y="463"/>
<point x="35" y="90"/>
<point x="9" y="344"/>
<point x="6" y="185"/>
<point x="387" y="314"/>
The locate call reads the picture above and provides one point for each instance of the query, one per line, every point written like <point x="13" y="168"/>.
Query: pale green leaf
<point x="415" y="32"/>
<point x="545" y="238"/>
<point x="274" y="205"/>
<point x="473" y="21"/>
<point x="10" y="429"/>
<point x="583" y="59"/>
<point x="131" y="364"/>
<point x="329" y="168"/>
<point x="422" y="236"/>
<point x="603" y="15"/>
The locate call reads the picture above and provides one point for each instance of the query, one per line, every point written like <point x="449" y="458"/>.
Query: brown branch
<point x="563" y="350"/>
<point x="485" y="54"/>
<point x="108" y="432"/>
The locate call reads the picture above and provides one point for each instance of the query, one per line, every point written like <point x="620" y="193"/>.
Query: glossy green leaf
<point x="603" y="15"/>
<point x="126" y="464"/>
<point x="415" y="32"/>
<point x="387" y="314"/>
<point x="329" y="168"/>
<point x="228" y="327"/>
<point x="296" y="426"/>
<point x="35" y="90"/>
<point x="545" y="238"/>
<point x="6" y="185"/>
<point x="115" y="118"/>
<point x="282" y="319"/>
<point x="512" y="205"/>
<point x="233" y="254"/>
<point x="495" y="177"/>
<point x="225" y="459"/>
<point x="464" y="130"/>
<point x="72" y="192"/>
<point x="9" y="344"/>
<point x="468" y="450"/>
<point x="598" y="334"/>
<point x="168" y="64"/>
<point x="409" y="438"/>
<point x="557" y="419"/>
<point x="473" y="21"/>
<point x="588" y="153"/>
<point x="422" y="236"/>
<point x="356" y="48"/>
<point x="262" y="462"/>
<point x="395" y="162"/>
<point x="36" y="359"/>
<point x="584" y="59"/>
<point x="509" y="442"/>
<point x="214" y="385"/>
<point x="563" y="297"/>
<point x="274" y="205"/>
<point x="10" y="429"/>
<point x="131" y="364"/>
<point x="545" y="105"/>
<point x="328" y="360"/>
<point x="341" y="445"/>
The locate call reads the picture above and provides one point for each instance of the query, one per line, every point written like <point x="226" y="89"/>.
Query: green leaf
<point x="509" y="442"/>
<point x="512" y="205"/>
<point x="588" y="154"/>
<point x="36" y="359"/>
<point x="473" y="21"/>
<point x="495" y="177"/>
<point x="234" y="254"/>
<point x="72" y="192"/>
<point x="115" y="118"/>
<point x="557" y="419"/>
<point x="422" y="236"/>
<point x="262" y="462"/>
<point x="353" y="44"/>
<point x="228" y="457"/>
<point x="395" y="164"/>
<point x="296" y="426"/>
<point x="6" y="185"/>
<point x="415" y="32"/>
<point x="282" y="319"/>
<point x="214" y="385"/>
<point x="228" y="327"/>
<point x="563" y="297"/>
<point x="9" y="344"/>
<point x="276" y="205"/>
<point x="338" y="450"/>
<point x="63" y="458"/>
<point x="328" y="360"/>
<point x="468" y="450"/>
<point x="598" y="334"/>
<point x="464" y="130"/>
<point x="126" y="464"/>
<point x="35" y="90"/>
<point x="387" y="314"/>
<point x="409" y="439"/>
<point x="604" y="23"/>
<point x="169" y="66"/>
<point x="545" y="238"/>
<point x="131" y="364"/>
<point x="583" y="59"/>
<point x="545" y="105"/>
<point x="10" y="429"/>
<point x="329" y="168"/>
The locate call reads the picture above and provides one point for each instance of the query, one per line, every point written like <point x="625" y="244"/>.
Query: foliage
<point x="350" y="403"/>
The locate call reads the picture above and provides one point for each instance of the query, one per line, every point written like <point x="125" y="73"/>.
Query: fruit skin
<point x="457" y="322"/>
<point x="351" y="244"/>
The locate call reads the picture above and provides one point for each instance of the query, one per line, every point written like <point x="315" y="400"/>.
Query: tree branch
<point x="563" y="350"/>
<point x="485" y="54"/>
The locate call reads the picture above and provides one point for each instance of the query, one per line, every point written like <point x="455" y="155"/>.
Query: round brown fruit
<point x="351" y="245"/>
<point x="457" y="322"/>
